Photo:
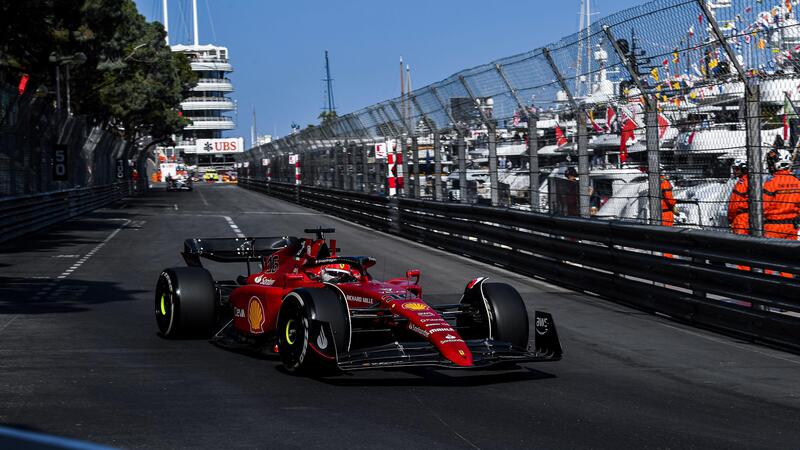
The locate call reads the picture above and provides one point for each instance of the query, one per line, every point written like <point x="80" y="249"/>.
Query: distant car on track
<point x="210" y="176"/>
<point x="323" y="313"/>
<point x="180" y="182"/>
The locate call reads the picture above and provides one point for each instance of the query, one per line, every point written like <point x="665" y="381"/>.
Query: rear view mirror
<point x="413" y="273"/>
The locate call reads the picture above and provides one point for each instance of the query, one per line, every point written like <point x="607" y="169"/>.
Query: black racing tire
<point x="303" y="313"/>
<point x="505" y="320"/>
<point x="185" y="303"/>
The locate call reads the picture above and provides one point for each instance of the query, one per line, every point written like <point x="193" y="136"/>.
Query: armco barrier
<point x="695" y="276"/>
<point x="29" y="213"/>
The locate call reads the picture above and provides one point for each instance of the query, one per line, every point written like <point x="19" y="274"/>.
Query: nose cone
<point x="455" y="349"/>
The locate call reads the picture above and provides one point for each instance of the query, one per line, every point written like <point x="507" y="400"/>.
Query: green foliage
<point x="130" y="81"/>
<point x="327" y="117"/>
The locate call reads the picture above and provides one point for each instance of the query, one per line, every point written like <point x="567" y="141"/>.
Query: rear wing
<point x="228" y="250"/>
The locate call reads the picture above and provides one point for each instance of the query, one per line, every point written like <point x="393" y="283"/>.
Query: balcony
<point x="213" y="85"/>
<point x="207" y="103"/>
<point x="211" y="123"/>
<point x="206" y="64"/>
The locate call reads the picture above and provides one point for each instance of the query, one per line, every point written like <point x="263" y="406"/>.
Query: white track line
<point x="202" y="197"/>
<point x="50" y="286"/>
<point x="234" y="227"/>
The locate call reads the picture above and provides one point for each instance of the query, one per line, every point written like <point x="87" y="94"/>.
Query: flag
<point x="627" y="134"/>
<point x="654" y="74"/>
<point x="691" y="31"/>
<point x="785" y="127"/>
<point x="595" y="126"/>
<point x="663" y="124"/>
<point x="610" y="113"/>
<point x="788" y="113"/>
<point x="560" y="138"/>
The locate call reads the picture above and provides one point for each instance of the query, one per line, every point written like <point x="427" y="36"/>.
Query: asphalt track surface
<point x="80" y="357"/>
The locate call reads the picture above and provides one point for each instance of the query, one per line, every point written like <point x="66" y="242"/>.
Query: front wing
<point x="485" y="352"/>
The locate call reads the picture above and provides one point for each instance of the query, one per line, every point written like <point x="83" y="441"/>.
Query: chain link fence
<point x="42" y="150"/>
<point x="674" y="112"/>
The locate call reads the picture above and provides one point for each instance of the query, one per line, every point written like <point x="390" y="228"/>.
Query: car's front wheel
<point x="313" y="326"/>
<point x="494" y="311"/>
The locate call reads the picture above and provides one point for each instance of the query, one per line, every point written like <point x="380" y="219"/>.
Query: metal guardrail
<point x="30" y="213"/>
<point x="721" y="281"/>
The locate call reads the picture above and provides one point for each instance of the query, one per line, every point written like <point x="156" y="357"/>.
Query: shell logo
<point x="415" y="306"/>
<point x="255" y="315"/>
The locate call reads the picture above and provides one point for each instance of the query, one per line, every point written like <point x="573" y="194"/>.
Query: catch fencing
<point x="649" y="108"/>
<point x="42" y="150"/>
<point x="730" y="283"/>
<point x="54" y="167"/>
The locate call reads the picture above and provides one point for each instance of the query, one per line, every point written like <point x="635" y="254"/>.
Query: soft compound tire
<point x="510" y="316"/>
<point x="494" y="310"/>
<point x="185" y="303"/>
<point x="301" y="311"/>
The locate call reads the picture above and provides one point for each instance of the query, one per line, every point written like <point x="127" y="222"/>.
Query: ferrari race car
<point x="323" y="313"/>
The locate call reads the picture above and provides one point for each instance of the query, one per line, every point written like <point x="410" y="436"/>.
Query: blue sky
<point x="277" y="47"/>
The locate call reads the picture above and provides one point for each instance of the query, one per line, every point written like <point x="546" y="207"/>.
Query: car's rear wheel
<point x="495" y="311"/>
<point x="313" y="326"/>
<point x="185" y="303"/>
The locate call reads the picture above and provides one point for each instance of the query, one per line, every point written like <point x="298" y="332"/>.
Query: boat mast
<point x="588" y="82"/>
<point x="166" y="20"/>
<point x="408" y="94"/>
<point x="579" y="62"/>
<point x="194" y="17"/>
<point x="402" y="91"/>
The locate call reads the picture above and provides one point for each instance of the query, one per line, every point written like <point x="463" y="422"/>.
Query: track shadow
<point x="62" y="235"/>
<point x="27" y="296"/>
<point x="424" y="376"/>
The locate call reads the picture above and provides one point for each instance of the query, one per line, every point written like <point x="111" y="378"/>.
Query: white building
<point x="206" y="105"/>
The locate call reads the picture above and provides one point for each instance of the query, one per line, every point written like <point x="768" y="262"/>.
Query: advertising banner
<point x="226" y="145"/>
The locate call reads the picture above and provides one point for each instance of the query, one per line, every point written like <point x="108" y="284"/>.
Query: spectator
<point x="781" y="197"/>
<point x="571" y="195"/>
<point x="738" y="205"/>
<point x="668" y="203"/>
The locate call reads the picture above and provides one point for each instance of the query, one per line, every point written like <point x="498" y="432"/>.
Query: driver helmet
<point x="330" y="274"/>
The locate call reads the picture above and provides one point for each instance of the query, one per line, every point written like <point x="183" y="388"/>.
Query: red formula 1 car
<point x="324" y="313"/>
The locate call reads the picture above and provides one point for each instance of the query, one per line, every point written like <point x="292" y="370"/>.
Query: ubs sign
<point x="228" y="145"/>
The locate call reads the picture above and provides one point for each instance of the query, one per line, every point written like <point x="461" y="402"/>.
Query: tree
<point x="327" y="117"/>
<point x="131" y="81"/>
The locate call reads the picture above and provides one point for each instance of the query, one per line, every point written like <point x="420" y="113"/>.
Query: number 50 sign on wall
<point x="59" y="158"/>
